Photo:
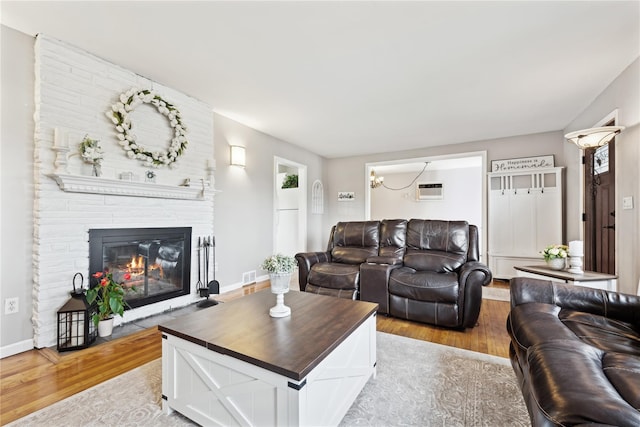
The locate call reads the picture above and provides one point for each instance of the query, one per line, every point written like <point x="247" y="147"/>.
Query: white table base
<point x="215" y="389"/>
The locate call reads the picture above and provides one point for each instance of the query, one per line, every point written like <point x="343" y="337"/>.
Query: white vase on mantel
<point x="280" y="286"/>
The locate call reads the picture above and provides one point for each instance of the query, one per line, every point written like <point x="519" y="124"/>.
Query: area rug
<point x="426" y="384"/>
<point x="418" y="384"/>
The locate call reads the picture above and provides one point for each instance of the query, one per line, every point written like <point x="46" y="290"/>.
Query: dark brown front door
<point x="600" y="209"/>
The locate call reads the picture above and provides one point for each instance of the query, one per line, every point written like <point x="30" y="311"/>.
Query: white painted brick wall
<point x="74" y="89"/>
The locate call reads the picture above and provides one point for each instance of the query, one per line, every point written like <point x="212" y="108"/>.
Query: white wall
<point x="16" y="182"/>
<point x="462" y="196"/>
<point x="622" y="94"/>
<point x="244" y="207"/>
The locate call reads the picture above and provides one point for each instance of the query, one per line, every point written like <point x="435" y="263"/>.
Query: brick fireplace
<point x="73" y="91"/>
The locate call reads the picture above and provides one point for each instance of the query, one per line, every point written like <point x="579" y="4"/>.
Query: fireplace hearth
<point x="157" y="259"/>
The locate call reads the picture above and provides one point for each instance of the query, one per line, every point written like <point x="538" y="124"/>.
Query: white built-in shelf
<point x="117" y="187"/>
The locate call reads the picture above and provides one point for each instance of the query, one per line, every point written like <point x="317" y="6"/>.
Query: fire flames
<point x="136" y="266"/>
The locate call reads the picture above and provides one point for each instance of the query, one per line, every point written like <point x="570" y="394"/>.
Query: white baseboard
<point x="231" y="287"/>
<point x="238" y="285"/>
<point x="19" y="347"/>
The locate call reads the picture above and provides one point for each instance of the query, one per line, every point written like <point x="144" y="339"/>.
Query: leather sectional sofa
<point x="576" y="352"/>
<point x="422" y="270"/>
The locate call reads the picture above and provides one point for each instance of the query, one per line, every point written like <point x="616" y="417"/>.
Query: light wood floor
<point x="38" y="378"/>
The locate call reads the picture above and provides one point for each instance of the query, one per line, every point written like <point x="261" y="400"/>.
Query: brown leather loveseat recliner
<point x="422" y="270"/>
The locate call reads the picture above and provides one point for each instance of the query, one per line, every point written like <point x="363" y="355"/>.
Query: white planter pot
<point x="280" y="286"/>
<point x="280" y="282"/>
<point x="557" y="263"/>
<point x="105" y="327"/>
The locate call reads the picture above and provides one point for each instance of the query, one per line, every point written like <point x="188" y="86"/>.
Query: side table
<point x="590" y="279"/>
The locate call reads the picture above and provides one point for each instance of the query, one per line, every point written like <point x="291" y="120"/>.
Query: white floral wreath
<point x="119" y="115"/>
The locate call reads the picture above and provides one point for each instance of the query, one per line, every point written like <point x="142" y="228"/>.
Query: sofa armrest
<point x="477" y="271"/>
<point x="609" y="304"/>
<point x="374" y="283"/>
<point x="306" y="260"/>
<point x="390" y="260"/>
<point x="472" y="277"/>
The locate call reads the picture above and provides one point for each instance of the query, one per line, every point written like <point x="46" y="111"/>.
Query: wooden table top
<point x="291" y="346"/>
<point x="587" y="276"/>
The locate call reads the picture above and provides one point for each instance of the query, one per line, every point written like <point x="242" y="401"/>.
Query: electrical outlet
<point x="10" y="305"/>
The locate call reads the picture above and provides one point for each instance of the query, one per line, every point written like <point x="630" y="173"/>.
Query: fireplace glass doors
<point x="157" y="259"/>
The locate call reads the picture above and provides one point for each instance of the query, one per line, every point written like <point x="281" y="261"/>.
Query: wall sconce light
<point x="594" y="137"/>
<point x="375" y="181"/>
<point x="238" y="157"/>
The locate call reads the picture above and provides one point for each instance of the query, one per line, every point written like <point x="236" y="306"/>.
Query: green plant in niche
<point x="290" y="181"/>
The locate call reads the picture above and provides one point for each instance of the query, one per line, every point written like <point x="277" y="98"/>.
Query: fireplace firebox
<point x="157" y="259"/>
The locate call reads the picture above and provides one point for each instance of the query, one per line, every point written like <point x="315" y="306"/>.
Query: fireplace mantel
<point x="96" y="185"/>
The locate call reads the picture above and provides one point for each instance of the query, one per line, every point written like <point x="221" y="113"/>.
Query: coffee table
<point x="233" y="364"/>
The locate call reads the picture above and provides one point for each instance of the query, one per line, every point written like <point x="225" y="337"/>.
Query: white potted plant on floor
<point x="280" y="268"/>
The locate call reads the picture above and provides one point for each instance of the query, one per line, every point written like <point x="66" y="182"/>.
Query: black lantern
<point x="76" y="329"/>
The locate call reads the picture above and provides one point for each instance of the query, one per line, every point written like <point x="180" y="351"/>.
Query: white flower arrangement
<point x="279" y="264"/>
<point x="91" y="151"/>
<point x="119" y="115"/>
<point x="555" y="251"/>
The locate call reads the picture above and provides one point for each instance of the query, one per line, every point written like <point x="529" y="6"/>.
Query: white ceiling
<point x="350" y="78"/>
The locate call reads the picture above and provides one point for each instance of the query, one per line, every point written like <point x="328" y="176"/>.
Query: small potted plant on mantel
<point x="92" y="153"/>
<point x="109" y="298"/>
<point x="280" y="268"/>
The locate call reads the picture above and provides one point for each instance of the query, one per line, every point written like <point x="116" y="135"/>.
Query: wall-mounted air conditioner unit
<point x="429" y="191"/>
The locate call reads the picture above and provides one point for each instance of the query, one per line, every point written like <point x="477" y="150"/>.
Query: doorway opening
<point x="290" y="207"/>
<point x="599" y="198"/>
<point x="451" y="187"/>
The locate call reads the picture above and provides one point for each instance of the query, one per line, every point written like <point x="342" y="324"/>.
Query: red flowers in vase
<point x="108" y="295"/>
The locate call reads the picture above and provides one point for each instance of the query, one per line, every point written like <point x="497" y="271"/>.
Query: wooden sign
<point x="346" y="196"/>
<point x="522" y="163"/>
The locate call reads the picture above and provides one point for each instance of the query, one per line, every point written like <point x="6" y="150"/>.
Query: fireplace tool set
<point x="209" y="287"/>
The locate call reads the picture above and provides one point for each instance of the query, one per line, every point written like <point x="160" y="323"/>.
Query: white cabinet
<point x="525" y="216"/>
